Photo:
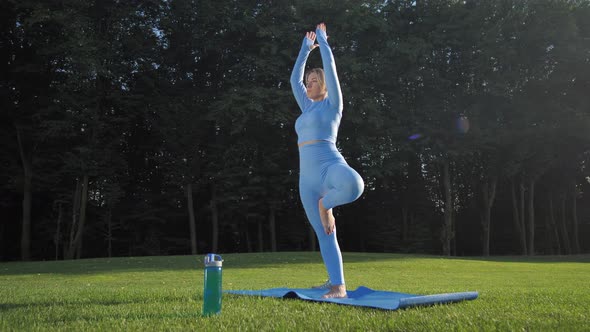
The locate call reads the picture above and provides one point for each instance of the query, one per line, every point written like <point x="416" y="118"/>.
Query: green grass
<point x="166" y="293"/>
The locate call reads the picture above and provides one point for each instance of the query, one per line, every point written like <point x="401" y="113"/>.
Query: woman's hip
<point x="318" y="156"/>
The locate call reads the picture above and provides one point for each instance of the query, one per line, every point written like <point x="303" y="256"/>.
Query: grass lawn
<point x="166" y="293"/>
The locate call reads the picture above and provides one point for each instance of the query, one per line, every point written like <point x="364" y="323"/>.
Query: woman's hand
<point x="322" y="27"/>
<point x="311" y="36"/>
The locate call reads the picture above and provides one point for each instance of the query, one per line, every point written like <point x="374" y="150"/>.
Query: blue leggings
<point x="325" y="173"/>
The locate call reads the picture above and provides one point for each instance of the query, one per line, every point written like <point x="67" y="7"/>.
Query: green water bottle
<point x="212" y="286"/>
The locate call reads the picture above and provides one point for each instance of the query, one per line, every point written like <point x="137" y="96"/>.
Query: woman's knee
<point x="346" y="182"/>
<point x="355" y="185"/>
<point x="350" y="182"/>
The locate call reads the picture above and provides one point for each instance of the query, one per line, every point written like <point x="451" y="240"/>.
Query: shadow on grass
<point x="238" y="261"/>
<point x="102" y="315"/>
<point x="97" y="302"/>
<point x="584" y="258"/>
<point x="169" y="263"/>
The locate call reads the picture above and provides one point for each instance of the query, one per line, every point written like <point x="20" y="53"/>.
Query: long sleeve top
<point x="319" y="120"/>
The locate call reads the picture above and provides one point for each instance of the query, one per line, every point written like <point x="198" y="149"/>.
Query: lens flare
<point x="462" y="125"/>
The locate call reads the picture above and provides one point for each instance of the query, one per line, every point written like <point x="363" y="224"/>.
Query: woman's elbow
<point x="338" y="104"/>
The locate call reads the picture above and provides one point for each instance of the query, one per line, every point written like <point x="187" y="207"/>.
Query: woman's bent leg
<point x="344" y="185"/>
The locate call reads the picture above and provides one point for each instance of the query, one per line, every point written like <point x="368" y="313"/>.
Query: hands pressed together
<point x="312" y="36"/>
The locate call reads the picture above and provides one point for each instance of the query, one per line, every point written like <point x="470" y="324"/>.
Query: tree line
<point x="162" y="127"/>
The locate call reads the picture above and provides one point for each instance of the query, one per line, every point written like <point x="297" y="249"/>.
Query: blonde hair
<point x="321" y="78"/>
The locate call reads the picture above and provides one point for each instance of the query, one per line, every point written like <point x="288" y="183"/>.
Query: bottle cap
<point x="213" y="260"/>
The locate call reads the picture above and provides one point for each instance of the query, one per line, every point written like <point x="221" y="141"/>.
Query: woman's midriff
<point x="310" y="142"/>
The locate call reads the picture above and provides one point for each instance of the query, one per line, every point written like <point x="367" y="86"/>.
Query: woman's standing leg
<point x="329" y="247"/>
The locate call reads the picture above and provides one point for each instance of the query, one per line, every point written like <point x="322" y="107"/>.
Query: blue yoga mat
<point x="362" y="296"/>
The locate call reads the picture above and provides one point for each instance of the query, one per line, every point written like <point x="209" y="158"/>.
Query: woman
<point x="325" y="181"/>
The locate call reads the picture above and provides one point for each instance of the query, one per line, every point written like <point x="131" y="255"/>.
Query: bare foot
<point x="336" y="292"/>
<point x="327" y="218"/>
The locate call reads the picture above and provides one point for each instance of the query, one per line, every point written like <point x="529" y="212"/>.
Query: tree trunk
<point x="273" y="230"/>
<point x="109" y="222"/>
<point x="404" y="224"/>
<point x="260" y="235"/>
<point x="26" y="229"/>
<point x="77" y="233"/>
<point x="548" y="238"/>
<point x="515" y="213"/>
<point x="214" y="220"/>
<point x="447" y="229"/>
<point x="83" y="206"/>
<point x="75" y="212"/>
<point x="553" y="225"/>
<point x="191" y="217"/>
<point x="76" y="246"/>
<point x="454" y="239"/>
<point x="518" y="215"/>
<point x="576" y="243"/>
<point x="25" y="240"/>
<point x="247" y="232"/>
<point x="2" y="230"/>
<point x="412" y="221"/>
<point x="563" y="223"/>
<point x="488" y="196"/>
<point x="57" y="236"/>
<point x="531" y="228"/>
<point x="522" y="226"/>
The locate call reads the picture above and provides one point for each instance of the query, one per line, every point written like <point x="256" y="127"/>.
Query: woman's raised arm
<point x="299" y="69"/>
<point x="332" y="83"/>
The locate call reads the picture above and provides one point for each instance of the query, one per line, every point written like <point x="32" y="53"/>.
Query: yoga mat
<point x="362" y="296"/>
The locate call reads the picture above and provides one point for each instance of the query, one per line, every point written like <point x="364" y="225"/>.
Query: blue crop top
<point x="319" y="120"/>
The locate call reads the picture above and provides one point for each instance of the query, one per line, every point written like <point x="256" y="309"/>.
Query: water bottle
<point x="212" y="286"/>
